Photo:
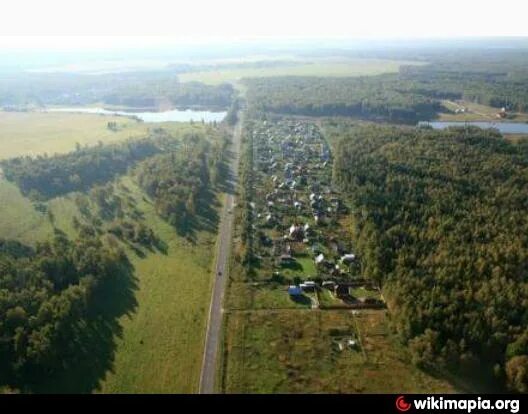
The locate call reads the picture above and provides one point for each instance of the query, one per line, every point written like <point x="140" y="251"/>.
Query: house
<point x="352" y="343"/>
<point x="502" y="113"/>
<point x="329" y="284"/>
<point x="296" y="232"/>
<point x="286" y="258"/>
<point x="308" y="286"/>
<point x="319" y="259"/>
<point x="269" y="220"/>
<point x="295" y="290"/>
<point x="348" y="258"/>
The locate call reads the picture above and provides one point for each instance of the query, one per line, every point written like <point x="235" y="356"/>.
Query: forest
<point x="135" y="89"/>
<point x="440" y="224"/>
<point x="47" y="297"/>
<point x="177" y="181"/>
<point x="60" y="299"/>
<point x="374" y="97"/>
<point x="45" y="177"/>
<point x="414" y="94"/>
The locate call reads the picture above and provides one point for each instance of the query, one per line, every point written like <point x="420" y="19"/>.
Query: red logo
<point x="401" y="405"/>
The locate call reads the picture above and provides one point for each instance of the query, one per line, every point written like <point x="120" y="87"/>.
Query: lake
<point x="175" y="115"/>
<point x="503" y="127"/>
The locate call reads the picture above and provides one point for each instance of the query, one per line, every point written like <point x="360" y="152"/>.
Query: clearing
<point x="37" y="133"/>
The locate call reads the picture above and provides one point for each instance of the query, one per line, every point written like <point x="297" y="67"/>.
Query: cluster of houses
<point x="296" y="210"/>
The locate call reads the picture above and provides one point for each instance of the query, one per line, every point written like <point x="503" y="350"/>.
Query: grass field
<point x="160" y="350"/>
<point x="157" y="345"/>
<point x="476" y="112"/>
<point x="35" y="133"/>
<point x="350" y="67"/>
<point x="292" y="351"/>
<point x="19" y="219"/>
<point x="157" y="348"/>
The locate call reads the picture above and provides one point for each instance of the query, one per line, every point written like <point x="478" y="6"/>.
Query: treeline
<point x="177" y="93"/>
<point x="375" y="98"/>
<point x="46" y="295"/>
<point x="178" y="180"/>
<point x="137" y="89"/>
<point x="441" y="224"/>
<point x="414" y="94"/>
<point x="45" y="177"/>
<point x="493" y="87"/>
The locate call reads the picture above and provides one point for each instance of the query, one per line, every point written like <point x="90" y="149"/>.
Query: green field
<point x="160" y="349"/>
<point x="292" y="351"/>
<point x="349" y="67"/>
<point x="156" y="345"/>
<point x="476" y="112"/>
<point x="36" y="133"/>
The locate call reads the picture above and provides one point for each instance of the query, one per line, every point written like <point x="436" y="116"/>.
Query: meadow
<point x="296" y="351"/>
<point x="476" y="112"/>
<point x="160" y="349"/>
<point x="37" y="133"/>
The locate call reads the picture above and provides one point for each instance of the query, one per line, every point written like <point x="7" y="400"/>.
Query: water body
<point x="175" y="115"/>
<point x="503" y="127"/>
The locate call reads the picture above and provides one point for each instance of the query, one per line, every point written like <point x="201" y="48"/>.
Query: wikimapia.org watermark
<point x="467" y="405"/>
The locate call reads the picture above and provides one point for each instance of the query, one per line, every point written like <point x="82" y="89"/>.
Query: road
<point x="215" y="319"/>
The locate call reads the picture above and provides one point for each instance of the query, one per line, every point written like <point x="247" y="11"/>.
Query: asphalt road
<point x="214" y="323"/>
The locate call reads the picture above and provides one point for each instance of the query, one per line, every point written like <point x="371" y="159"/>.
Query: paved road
<point x="214" y="323"/>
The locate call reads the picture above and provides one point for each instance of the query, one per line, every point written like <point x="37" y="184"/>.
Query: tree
<point x="517" y="373"/>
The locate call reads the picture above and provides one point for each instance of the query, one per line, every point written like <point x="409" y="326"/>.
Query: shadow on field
<point x="86" y="359"/>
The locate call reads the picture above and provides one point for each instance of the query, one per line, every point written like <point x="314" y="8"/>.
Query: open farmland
<point x="37" y="133"/>
<point x="350" y="67"/>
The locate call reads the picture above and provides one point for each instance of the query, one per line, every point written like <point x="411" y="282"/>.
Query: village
<point x="300" y="221"/>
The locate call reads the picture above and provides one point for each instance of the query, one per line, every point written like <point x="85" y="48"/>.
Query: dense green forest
<point x="47" y="177"/>
<point x="178" y="93"/>
<point x="47" y="298"/>
<point x="177" y="181"/>
<point x="440" y="223"/>
<point x="493" y="87"/>
<point x="374" y="97"/>
<point x="414" y="94"/>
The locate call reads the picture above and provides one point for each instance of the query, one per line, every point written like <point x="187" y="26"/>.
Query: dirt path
<point x="214" y="323"/>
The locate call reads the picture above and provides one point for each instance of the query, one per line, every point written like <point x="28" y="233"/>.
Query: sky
<point x="63" y="24"/>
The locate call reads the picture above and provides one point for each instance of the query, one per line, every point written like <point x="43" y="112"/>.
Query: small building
<point x="308" y="286"/>
<point x="319" y="259"/>
<point x="328" y="284"/>
<point x="294" y="290"/>
<point x="352" y="343"/>
<point x="348" y="258"/>
<point x="296" y="232"/>
<point x="286" y="258"/>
